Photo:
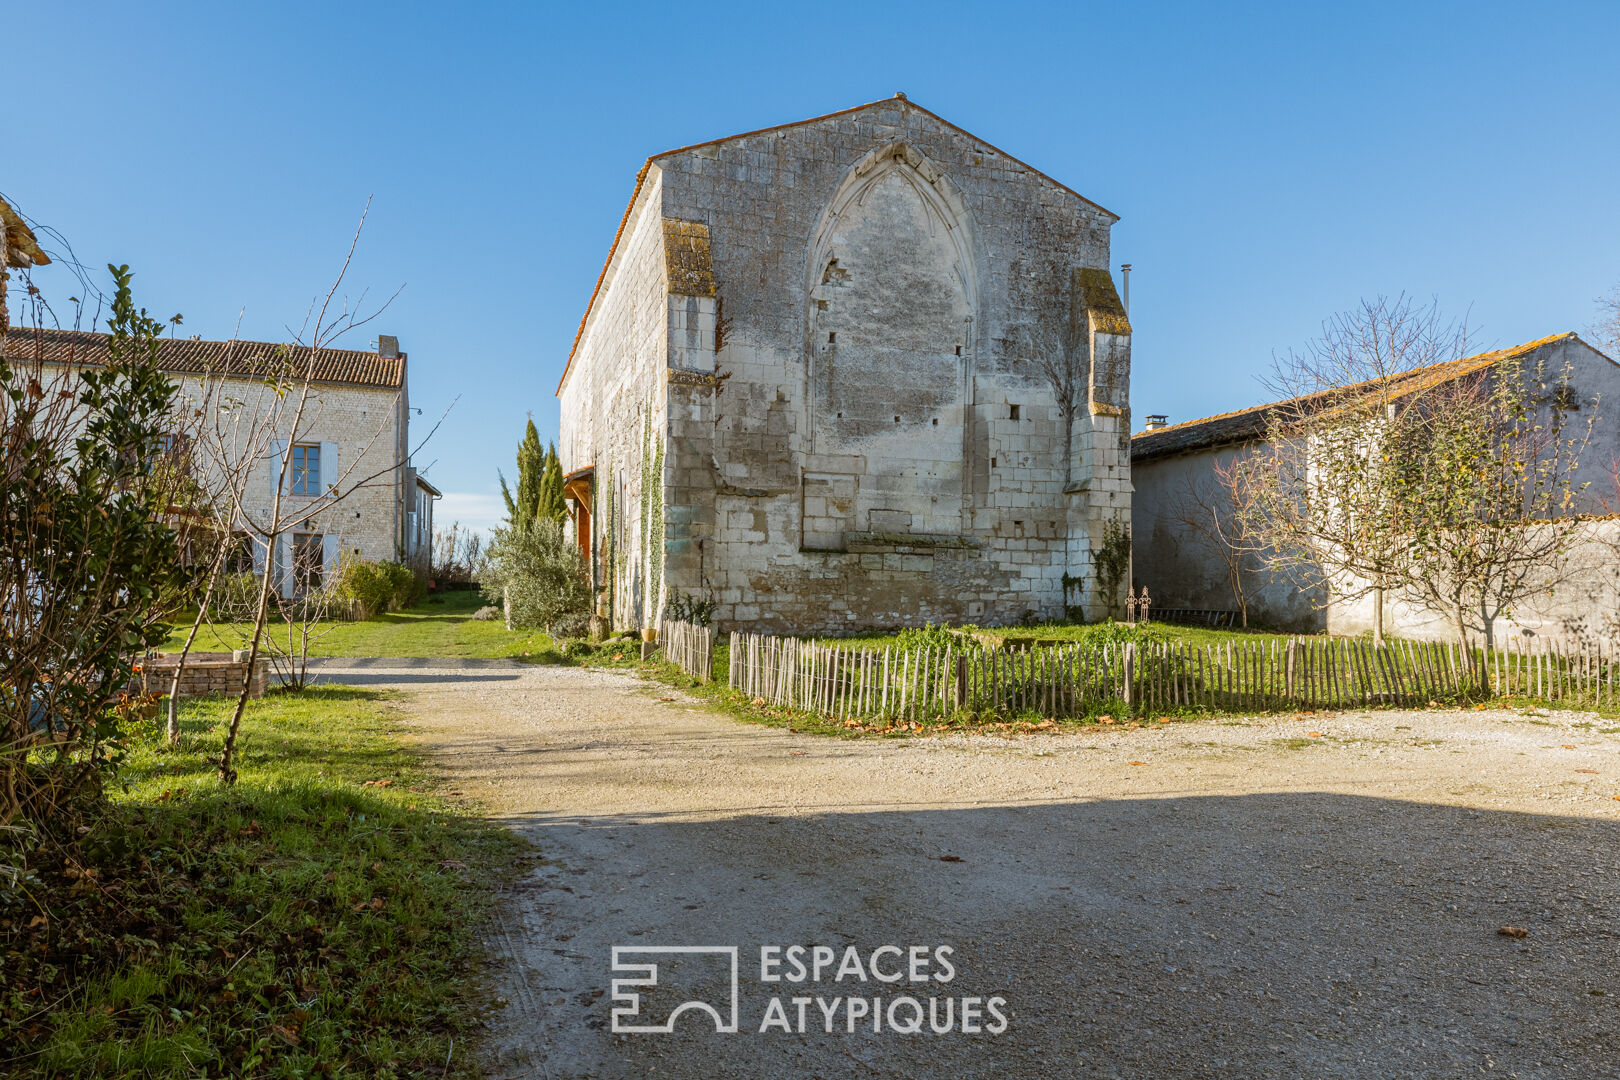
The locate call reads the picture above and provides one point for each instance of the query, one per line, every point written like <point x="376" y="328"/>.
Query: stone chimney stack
<point x="388" y="346"/>
<point x="1155" y="421"/>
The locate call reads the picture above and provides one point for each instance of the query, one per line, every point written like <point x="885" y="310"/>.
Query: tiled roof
<point x="183" y="356"/>
<point x="1246" y="425"/>
<point x="641" y="178"/>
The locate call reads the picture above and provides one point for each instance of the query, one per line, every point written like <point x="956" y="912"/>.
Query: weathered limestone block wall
<point x="877" y="447"/>
<point x="1178" y="565"/>
<point x="614" y="411"/>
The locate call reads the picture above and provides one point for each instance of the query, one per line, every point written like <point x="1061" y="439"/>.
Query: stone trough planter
<point x="206" y="673"/>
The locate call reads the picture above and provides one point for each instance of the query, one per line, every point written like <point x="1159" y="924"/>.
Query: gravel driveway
<point x="1209" y="899"/>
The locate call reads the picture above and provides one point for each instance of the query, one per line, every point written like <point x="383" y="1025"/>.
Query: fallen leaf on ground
<point x="798" y="753"/>
<point x="453" y="864"/>
<point x="1164" y="719"/>
<point x="1567" y="746"/>
<point x="1136" y="763"/>
<point x="757" y="702"/>
<point x="1105" y="719"/>
<point x="950" y="858"/>
<point x="285" y="1035"/>
<point x="1512" y="931"/>
<point x="1592" y="771"/>
<point x="1314" y="734"/>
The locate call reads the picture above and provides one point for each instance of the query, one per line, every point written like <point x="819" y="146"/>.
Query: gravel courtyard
<point x="1316" y="896"/>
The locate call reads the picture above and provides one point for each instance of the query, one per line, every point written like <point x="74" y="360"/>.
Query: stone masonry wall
<point x="829" y="333"/>
<point x="364" y="429"/>
<point x="614" y="415"/>
<point x="881" y="449"/>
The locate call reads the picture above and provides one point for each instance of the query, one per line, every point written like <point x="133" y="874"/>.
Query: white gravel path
<point x="1251" y="901"/>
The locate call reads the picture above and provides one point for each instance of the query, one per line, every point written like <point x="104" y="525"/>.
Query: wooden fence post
<point x="1130" y="672"/>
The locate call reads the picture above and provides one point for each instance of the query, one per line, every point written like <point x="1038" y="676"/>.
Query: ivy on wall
<point x="605" y="489"/>
<point x="652" y="513"/>
<point x="1113" y="560"/>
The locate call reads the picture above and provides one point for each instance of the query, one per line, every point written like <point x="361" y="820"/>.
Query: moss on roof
<point x="1107" y="312"/>
<point x="1245" y="425"/>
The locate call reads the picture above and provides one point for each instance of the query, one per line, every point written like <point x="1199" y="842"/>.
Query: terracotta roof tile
<point x="1245" y="425"/>
<point x="182" y="356"/>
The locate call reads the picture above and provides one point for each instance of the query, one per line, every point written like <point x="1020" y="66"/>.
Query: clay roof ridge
<point x="351" y="367"/>
<point x="1401" y="384"/>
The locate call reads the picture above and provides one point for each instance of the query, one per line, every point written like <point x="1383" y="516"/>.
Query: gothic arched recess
<point x="889" y="346"/>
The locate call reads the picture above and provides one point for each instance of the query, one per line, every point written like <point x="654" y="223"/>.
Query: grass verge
<point x="315" y="920"/>
<point x="441" y="627"/>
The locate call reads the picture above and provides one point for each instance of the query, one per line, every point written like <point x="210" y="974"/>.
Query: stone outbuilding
<point x="860" y="371"/>
<point x="1176" y="472"/>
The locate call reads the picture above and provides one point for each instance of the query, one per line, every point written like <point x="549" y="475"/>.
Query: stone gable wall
<point x="854" y="434"/>
<point x="963" y="512"/>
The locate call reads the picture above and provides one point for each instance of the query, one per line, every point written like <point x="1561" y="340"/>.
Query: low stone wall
<point x="205" y="673"/>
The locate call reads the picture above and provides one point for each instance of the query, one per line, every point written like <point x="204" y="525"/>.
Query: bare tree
<point x="1210" y="510"/>
<point x="1606" y="331"/>
<point x="327" y="321"/>
<point x="234" y="408"/>
<point x="1321" y="497"/>
<point x="1485" y="468"/>
<point x="458" y="554"/>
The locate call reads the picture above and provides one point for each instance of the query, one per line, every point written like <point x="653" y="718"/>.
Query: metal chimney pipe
<point x="1125" y="276"/>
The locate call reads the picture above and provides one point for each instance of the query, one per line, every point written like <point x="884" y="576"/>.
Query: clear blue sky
<point x="1272" y="163"/>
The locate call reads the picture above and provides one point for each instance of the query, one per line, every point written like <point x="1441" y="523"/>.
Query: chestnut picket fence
<point x="865" y="682"/>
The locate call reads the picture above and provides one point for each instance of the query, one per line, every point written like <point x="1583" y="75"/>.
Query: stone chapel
<point x="856" y="372"/>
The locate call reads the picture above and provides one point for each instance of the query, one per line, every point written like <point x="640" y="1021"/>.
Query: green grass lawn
<point x="319" y="918"/>
<point x="1086" y="632"/>
<point x="443" y="626"/>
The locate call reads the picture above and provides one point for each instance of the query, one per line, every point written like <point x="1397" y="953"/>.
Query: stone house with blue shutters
<point x="356" y="424"/>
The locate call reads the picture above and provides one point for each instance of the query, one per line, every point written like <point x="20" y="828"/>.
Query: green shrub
<point x="684" y="607"/>
<point x="1115" y="633"/>
<point x="929" y="637"/>
<point x="376" y="587"/>
<point x="537" y="568"/>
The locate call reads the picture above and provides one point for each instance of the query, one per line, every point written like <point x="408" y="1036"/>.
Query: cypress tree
<point x="552" y="502"/>
<point x="531" y="464"/>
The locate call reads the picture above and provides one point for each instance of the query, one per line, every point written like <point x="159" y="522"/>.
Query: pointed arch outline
<point x="938" y="194"/>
